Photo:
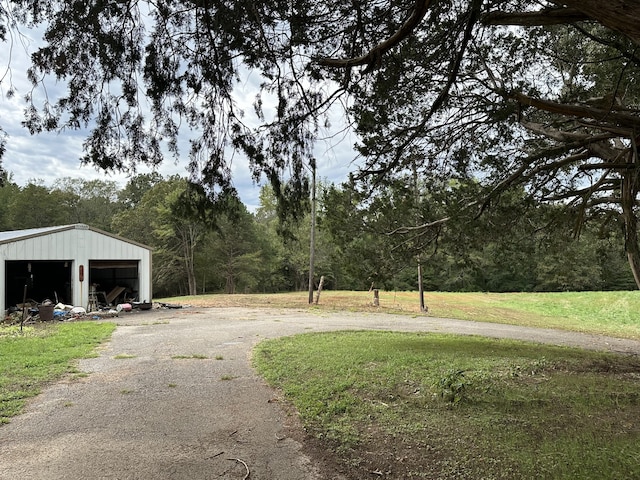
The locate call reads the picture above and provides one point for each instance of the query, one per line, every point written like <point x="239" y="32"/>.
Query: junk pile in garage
<point x="31" y="311"/>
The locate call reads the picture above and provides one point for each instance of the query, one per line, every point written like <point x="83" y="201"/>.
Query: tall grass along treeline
<point x="606" y="313"/>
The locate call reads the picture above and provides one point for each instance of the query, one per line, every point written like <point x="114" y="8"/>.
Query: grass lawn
<point x="607" y="313"/>
<point x="405" y="406"/>
<point x="42" y="354"/>
<point x="408" y="406"/>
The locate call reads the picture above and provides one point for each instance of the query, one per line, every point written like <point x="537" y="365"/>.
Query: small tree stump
<point x="320" y="285"/>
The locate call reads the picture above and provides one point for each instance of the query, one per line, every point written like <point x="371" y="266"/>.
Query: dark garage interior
<point x="115" y="281"/>
<point x="45" y="279"/>
<point x="109" y="275"/>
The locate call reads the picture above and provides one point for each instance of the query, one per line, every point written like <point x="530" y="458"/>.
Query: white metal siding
<point x="78" y="245"/>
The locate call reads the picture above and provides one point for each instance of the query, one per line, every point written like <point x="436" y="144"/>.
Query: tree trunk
<point x="189" y="241"/>
<point x="423" y="308"/>
<point x="230" y="286"/>
<point x="620" y="15"/>
<point x="320" y="285"/>
<point x="629" y="193"/>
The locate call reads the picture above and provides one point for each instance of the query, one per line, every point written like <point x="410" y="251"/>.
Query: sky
<point x="49" y="156"/>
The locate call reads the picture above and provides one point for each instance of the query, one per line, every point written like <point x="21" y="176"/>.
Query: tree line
<point x="362" y="241"/>
<point x="486" y="99"/>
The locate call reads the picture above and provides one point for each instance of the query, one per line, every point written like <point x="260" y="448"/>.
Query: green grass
<point x="452" y="407"/>
<point x="611" y="313"/>
<point x="124" y="356"/>
<point x="34" y="358"/>
<point x="197" y="356"/>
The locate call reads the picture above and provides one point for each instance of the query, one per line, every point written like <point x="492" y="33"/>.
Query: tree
<point x="234" y="252"/>
<point x="443" y="81"/>
<point x="89" y="201"/>
<point x="517" y="244"/>
<point x="36" y="206"/>
<point x="554" y="108"/>
<point x="158" y="220"/>
<point x="133" y="219"/>
<point x="133" y="192"/>
<point x="276" y="273"/>
<point x="7" y="192"/>
<point x="365" y="228"/>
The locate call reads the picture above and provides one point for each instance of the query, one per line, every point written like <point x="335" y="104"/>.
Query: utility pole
<point x="423" y="307"/>
<point x="312" y="246"/>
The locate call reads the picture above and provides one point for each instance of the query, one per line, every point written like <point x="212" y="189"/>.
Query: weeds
<point x="452" y="386"/>
<point x="124" y="356"/>
<point x="521" y="410"/>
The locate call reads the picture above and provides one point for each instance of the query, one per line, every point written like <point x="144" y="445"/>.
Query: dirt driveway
<point x="173" y="396"/>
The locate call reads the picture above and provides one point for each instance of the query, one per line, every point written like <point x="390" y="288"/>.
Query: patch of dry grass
<point x="608" y="313"/>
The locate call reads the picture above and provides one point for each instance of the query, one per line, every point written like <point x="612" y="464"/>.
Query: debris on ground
<point x="169" y="305"/>
<point x="32" y="311"/>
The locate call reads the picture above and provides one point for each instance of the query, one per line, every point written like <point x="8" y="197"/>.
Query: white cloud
<point x="50" y="156"/>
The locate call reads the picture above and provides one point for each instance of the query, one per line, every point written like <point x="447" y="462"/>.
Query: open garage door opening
<point x="114" y="281"/>
<point x="63" y="263"/>
<point x="45" y="280"/>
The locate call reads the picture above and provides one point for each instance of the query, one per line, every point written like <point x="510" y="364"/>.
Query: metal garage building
<point x="67" y="263"/>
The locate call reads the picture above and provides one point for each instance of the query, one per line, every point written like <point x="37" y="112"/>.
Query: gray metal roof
<point x="16" y="235"/>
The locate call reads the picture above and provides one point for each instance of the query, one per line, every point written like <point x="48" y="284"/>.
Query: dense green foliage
<point x="32" y="359"/>
<point x="481" y="101"/>
<point x="514" y="246"/>
<point x="451" y="407"/>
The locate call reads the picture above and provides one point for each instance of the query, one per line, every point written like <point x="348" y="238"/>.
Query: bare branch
<point x="578" y="111"/>
<point x="553" y="16"/>
<point x="424" y="226"/>
<point x="603" y="185"/>
<point x="237" y="460"/>
<point x="608" y="166"/>
<point x="373" y="57"/>
<point x="561" y="136"/>
<point x="619" y="15"/>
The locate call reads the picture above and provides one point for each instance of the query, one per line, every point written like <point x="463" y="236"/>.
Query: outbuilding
<point x="74" y="265"/>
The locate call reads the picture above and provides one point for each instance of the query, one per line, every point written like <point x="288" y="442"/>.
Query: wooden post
<point x="24" y="301"/>
<point x="320" y="285"/>
<point x="376" y="298"/>
<point x="423" y="307"/>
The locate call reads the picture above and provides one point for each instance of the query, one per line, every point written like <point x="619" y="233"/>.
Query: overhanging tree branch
<point x="552" y="16"/>
<point x="606" y="116"/>
<point x="454" y="70"/>
<point x="373" y="57"/>
<point x="619" y="15"/>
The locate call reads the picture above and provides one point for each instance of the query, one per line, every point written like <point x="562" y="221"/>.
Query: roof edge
<point x="39" y="232"/>
<point x="79" y="226"/>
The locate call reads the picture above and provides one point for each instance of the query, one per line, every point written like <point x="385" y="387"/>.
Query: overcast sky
<point x="51" y="156"/>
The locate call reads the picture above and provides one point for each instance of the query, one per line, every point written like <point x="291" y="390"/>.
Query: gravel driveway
<point x="173" y="396"/>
